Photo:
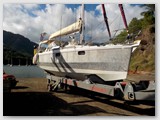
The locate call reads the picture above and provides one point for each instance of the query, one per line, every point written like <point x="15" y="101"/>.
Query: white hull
<point x="109" y="62"/>
<point x="81" y="73"/>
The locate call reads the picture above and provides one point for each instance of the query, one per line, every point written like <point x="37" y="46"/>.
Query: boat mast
<point x="82" y="30"/>
<point x="123" y="16"/>
<point x="106" y="20"/>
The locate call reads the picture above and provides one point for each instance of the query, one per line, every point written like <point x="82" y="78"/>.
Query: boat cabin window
<point x="42" y="47"/>
<point x="81" y="52"/>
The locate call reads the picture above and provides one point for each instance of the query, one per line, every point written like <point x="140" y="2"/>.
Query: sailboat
<point x="76" y="60"/>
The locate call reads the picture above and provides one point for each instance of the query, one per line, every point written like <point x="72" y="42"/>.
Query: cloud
<point x="115" y="18"/>
<point x="30" y="20"/>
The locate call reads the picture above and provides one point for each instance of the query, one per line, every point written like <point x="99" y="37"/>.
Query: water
<point x="24" y="71"/>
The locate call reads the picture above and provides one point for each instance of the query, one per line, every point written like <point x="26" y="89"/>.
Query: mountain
<point x="18" y="42"/>
<point x="17" y="47"/>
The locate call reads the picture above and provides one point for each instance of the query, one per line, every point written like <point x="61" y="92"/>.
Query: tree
<point x="149" y="15"/>
<point x="121" y="38"/>
<point x="134" y="26"/>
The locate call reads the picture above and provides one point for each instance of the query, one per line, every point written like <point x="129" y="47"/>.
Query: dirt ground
<point x="31" y="98"/>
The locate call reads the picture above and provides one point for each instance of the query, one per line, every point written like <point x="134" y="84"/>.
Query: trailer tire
<point x="49" y="88"/>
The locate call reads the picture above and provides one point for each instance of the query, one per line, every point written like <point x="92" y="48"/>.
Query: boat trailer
<point x="126" y="90"/>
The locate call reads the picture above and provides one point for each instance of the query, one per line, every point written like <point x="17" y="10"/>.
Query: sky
<point x="30" y="20"/>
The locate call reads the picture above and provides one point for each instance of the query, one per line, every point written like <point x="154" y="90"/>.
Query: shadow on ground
<point x="46" y="104"/>
<point x="20" y="87"/>
<point x="42" y="104"/>
<point x="132" y="106"/>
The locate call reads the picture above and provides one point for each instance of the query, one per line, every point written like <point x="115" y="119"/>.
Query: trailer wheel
<point x="49" y="85"/>
<point x="53" y="85"/>
<point x="62" y="86"/>
<point x="49" y="88"/>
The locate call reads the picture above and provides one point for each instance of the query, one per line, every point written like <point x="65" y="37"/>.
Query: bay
<point x="30" y="71"/>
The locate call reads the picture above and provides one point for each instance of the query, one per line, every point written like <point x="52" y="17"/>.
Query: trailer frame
<point x="126" y="90"/>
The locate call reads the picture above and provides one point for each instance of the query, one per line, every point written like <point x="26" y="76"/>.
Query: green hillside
<point x="143" y="58"/>
<point x="16" y="48"/>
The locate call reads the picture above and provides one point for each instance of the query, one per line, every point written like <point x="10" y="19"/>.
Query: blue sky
<point x="88" y="7"/>
<point x="32" y="19"/>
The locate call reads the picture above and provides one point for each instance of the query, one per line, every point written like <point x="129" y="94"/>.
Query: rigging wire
<point x="74" y="11"/>
<point x="103" y="26"/>
<point x="114" y="19"/>
<point x="91" y="26"/>
<point x="119" y="24"/>
<point x="60" y="27"/>
<point x="97" y="26"/>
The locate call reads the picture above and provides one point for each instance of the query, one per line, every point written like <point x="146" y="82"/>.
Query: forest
<point x="143" y="59"/>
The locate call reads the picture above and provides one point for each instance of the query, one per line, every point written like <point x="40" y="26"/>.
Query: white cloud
<point x="30" y="6"/>
<point x="29" y="20"/>
<point x="115" y="18"/>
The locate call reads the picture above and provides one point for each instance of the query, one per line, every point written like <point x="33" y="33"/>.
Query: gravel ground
<point x="31" y="98"/>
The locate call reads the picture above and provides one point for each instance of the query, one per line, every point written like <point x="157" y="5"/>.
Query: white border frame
<point x="94" y="2"/>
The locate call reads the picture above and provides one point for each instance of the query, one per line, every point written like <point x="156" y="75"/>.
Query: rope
<point x="109" y="24"/>
<point x="95" y="27"/>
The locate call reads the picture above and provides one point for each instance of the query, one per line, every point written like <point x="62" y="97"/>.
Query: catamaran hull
<point x="107" y="63"/>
